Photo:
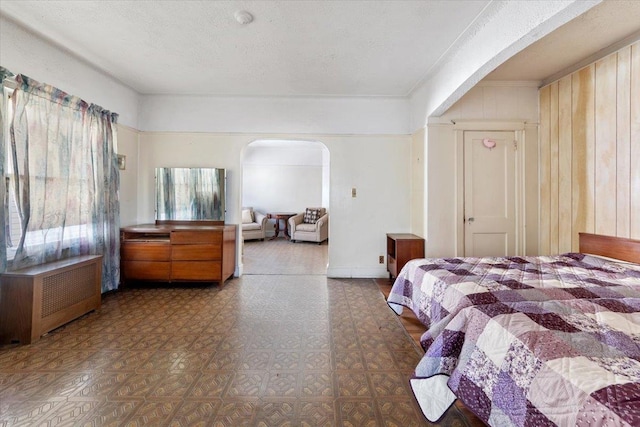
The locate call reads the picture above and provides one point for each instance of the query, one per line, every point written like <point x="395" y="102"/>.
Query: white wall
<point x="21" y="52"/>
<point x="418" y="162"/>
<point x="281" y="176"/>
<point x="127" y="145"/>
<point x="310" y="115"/>
<point x="487" y="102"/>
<point x="375" y="165"/>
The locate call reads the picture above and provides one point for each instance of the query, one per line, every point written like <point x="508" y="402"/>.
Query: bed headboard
<point x="612" y="247"/>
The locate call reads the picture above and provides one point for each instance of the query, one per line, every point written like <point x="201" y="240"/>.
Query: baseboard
<point x="357" y="273"/>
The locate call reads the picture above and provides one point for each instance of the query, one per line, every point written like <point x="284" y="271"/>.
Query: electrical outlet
<point x="381" y="259"/>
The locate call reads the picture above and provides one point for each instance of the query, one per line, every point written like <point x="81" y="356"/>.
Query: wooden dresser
<point x="178" y="252"/>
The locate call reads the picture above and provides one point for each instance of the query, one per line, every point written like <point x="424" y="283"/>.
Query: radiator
<point x="36" y="300"/>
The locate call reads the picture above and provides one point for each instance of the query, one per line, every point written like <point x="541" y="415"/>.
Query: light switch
<point x="353" y="192"/>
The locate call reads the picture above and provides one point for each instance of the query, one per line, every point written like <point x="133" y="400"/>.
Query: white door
<point x="489" y="193"/>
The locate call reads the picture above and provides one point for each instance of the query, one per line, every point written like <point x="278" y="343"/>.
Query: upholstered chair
<point x="312" y="225"/>
<point x="254" y="224"/>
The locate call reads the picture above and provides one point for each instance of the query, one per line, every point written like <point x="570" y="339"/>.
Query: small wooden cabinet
<point x="173" y="253"/>
<point x="402" y="247"/>
<point x="38" y="299"/>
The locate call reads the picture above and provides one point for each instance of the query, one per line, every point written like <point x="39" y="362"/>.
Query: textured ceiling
<point x="296" y="48"/>
<point x="346" y="48"/>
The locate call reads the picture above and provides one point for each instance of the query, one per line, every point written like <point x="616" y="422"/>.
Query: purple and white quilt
<point x="437" y="289"/>
<point x="571" y="362"/>
<point x="527" y="340"/>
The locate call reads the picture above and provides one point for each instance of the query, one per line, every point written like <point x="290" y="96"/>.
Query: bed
<point x="520" y="341"/>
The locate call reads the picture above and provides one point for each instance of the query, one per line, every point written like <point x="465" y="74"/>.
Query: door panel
<point x="489" y="194"/>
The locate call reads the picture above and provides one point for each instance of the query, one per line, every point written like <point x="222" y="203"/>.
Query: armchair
<point x="311" y="230"/>
<point x="254" y="224"/>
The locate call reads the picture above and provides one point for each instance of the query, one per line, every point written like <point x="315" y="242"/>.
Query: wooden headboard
<point x="612" y="247"/>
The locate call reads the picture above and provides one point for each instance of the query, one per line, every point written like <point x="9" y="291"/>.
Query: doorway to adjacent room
<point x="284" y="176"/>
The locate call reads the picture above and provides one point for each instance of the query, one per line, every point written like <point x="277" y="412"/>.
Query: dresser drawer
<point x="196" y="270"/>
<point x="200" y="252"/>
<point x="147" y="270"/>
<point x="187" y="237"/>
<point x="146" y="251"/>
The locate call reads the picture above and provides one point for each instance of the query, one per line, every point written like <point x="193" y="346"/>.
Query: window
<point x="62" y="177"/>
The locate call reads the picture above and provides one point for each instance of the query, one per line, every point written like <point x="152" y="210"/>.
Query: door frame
<point x="518" y="127"/>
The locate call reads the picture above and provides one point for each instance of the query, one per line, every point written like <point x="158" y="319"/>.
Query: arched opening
<point x="280" y="180"/>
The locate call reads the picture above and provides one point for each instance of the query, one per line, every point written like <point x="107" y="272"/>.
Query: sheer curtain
<point x="4" y="74"/>
<point x="64" y="176"/>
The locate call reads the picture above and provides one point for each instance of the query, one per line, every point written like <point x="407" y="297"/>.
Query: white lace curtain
<point x="63" y="175"/>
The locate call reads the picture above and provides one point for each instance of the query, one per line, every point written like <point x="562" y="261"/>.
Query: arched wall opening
<point x="284" y="175"/>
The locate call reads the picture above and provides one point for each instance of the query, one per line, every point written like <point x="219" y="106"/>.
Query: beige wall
<point x="489" y="104"/>
<point x="417" y="183"/>
<point x="590" y="152"/>
<point x="127" y="145"/>
<point x="376" y="165"/>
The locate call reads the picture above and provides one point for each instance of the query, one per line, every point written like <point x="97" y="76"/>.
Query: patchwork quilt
<point x="550" y="340"/>
<point x="437" y="289"/>
<point x="572" y="362"/>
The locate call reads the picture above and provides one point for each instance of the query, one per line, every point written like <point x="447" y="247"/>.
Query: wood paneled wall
<point x="590" y="152"/>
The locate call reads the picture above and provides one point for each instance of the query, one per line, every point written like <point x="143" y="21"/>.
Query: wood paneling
<point x="605" y="120"/>
<point x="634" y="204"/>
<point x="590" y="152"/>
<point x="554" y="191"/>
<point x="583" y="157"/>
<point x="623" y="146"/>
<point x="545" y="170"/>
<point x="564" y="164"/>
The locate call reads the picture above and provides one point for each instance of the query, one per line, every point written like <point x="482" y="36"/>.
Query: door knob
<point x="471" y="219"/>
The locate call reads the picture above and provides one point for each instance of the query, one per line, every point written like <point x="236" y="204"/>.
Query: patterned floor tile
<point x="263" y="350"/>
<point x="348" y="360"/>
<point x="174" y="385"/>
<point x="256" y="360"/>
<point x="195" y="413"/>
<point x="137" y="386"/>
<point x="101" y="384"/>
<point x="356" y="412"/>
<point x="191" y="361"/>
<point x="378" y="360"/>
<point x="353" y="384"/>
<point x="283" y="384"/>
<point x="236" y="413"/>
<point x="206" y="342"/>
<point x="110" y="414"/>
<point x="124" y="361"/>
<point x="247" y="384"/>
<point x="210" y="385"/>
<point x="316" y="360"/>
<point x="152" y="413"/>
<point x="277" y="413"/>
<point x="317" y="384"/>
<point x="160" y="361"/>
<point x="288" y="360"/>
<point x="320" y="413"/>
<point x="67" y="413"/>
<point x="30" y="386"/>
<point x="401" y="412"/>
<point x="224" y="360"/>
<point x="387" y="384"/>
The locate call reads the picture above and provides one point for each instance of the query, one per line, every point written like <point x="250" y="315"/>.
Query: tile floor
<point x="263" y="350"/>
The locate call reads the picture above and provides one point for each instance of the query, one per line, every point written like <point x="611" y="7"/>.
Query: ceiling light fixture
<point x="243" y="17"/>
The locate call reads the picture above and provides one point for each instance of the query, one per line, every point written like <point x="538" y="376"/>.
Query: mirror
<point x="190" y="194"/>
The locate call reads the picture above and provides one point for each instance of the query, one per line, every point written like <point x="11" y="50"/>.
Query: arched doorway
<point x="284" y="176"/>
